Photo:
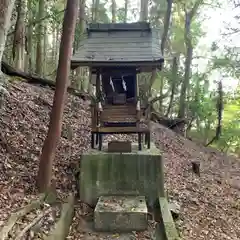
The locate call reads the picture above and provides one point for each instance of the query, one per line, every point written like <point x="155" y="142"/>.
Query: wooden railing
<point x="115" y="113"/>
<point x="119" y="113"/>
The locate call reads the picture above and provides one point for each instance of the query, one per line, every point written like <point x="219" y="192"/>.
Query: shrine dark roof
<point x="134" y="44"/>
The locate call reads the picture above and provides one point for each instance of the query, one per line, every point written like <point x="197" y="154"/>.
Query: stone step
<point x="121" y="214"/>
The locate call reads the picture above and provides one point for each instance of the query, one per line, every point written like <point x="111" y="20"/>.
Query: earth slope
<point x="210" y="204"/>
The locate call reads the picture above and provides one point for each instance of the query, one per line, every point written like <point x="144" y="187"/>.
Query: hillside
<point x="210" y="205"/>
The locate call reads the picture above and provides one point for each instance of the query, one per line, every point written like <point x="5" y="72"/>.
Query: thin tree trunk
<point x="56" y="44"/>
<point x="78" y="81"/>
<point x="174" y="83"/>
<point x="53" y="42"/>
<point x="93" y="11"/>
<point x="29" y="43"/>
<point x="39" y="54"/>
<point x="114" y="11"/>
<point x="161" y="80"/>
<point x="82" y="19"/>
<point x="96" y="11"/>
<point x="126" y="11"/>
<point x="19" y="36"/>
<point x="144" y="11"/>
<point x="167" y="18"/>
<point x="187" y="72"/>
<point x="63" y="71"/>
<point x="7" y="54"/>
<point x="90" y="86"/>
<point x="188" y="60"/>
<point x="45" y="50"/>
<point x="5" y="17"/>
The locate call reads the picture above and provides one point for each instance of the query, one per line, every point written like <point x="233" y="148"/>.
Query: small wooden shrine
<point x="116" y="54"/>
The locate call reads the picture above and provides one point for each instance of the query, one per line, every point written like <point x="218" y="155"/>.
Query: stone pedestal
<point x="136" y="173"/>
<point x="121" y="214"/>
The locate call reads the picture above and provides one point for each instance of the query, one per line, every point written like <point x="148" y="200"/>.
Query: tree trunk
<point x="126" y="11"/>
<point x="188" y="61"/>
<point x="5" y="17"/>
<point x="29" y="42"/>
<point x="167" y="18"/>
<point x="174" y="83"/>
<point x="189" y="15"/>
<point x="53" y="42"/>
<point x="114" y="11"/>
<point x="7" y="54"/>
<point x="81" y="28"/>
<point x="144" y="11"/>
<point x="55" y="126"/>
<point x="39" y="53"/>
<point x="82" y="24"/>
<point x="160" y="102"/>
<point x="90" y="86"/>
<point x="96" y="11"/>
<point x="19" y="36"/>
<point x="56" y="43"/>
<point x="45" y="51"/>
<point x="151" y="82"/>
<point x="93" y="11"/>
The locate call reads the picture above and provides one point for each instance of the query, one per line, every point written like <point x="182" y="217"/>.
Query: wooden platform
<point x="97" y="134"/>
<point x="122" y="130"/>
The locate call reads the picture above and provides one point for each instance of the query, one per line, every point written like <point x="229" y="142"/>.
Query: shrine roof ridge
<point x="105" y="27"/>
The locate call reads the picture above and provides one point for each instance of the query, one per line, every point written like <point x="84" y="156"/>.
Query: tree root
<point x="19" y="214"/>
<point x="33" y="223"/>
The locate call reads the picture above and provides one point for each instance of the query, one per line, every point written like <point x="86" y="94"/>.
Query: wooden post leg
<point x="97" y="136"/>
<point x="100" y="141"/>
<point x="146" y="138"/>
<point x="92" y="140"/>
<point x="139" y="141"/>
<point x="149" y="140"/>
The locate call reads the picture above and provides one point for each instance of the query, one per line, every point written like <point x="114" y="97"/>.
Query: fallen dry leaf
<point x="209" y="204"/>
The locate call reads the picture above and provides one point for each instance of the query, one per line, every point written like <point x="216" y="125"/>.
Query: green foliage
<point x="201" y="97"/>
<point x="120" y="14"/>
<point x="229" y="63"/>
<point x="103" y="14"/>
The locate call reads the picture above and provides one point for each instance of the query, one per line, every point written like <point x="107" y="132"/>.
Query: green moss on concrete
<point x="139" y="172"/>
<point x="62" y="227"/>
<point x="168" y="228"/>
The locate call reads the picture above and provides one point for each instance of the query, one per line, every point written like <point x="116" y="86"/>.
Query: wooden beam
<point x="120" y="130"/>
<point x="158" y="63"/>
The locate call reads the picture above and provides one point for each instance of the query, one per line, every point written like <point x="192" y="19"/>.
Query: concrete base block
<point x="121" y="214"/>
<point x="168" y="224"/>
<point x="138" y="173"/>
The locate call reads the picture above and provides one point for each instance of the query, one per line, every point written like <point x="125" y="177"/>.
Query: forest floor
<point x="210" y="204"/>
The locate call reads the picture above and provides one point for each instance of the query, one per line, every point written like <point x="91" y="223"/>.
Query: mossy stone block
<point x="136" y="173"/>
<point x="121" y="214"/>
